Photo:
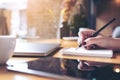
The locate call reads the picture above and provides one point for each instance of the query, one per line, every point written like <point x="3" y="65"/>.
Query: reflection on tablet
<point x="59" y="68"/>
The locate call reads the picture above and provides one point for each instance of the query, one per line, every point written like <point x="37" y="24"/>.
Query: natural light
<point x="18" y="17"/>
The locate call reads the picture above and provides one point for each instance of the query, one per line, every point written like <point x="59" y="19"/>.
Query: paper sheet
<point x="83" y="52"/>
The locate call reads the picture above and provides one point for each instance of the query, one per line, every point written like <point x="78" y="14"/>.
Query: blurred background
<point x="56" y="18"/>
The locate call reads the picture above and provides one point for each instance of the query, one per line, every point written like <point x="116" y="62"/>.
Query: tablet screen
<point x="60" y="68"/>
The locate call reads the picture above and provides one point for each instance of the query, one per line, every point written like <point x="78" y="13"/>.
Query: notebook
<point x="35" y="49"/>
<point x="84" y="52"/>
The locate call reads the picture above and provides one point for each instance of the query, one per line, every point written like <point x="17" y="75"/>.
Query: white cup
<point x="7" y="45"/>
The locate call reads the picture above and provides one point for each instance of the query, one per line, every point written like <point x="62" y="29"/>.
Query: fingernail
<point x="84" y="43"/>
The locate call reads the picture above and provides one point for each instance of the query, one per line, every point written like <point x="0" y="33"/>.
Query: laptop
<point x="35" y="49"/>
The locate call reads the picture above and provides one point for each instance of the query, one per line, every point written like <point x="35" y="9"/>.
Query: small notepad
<point x="83" y="52"/>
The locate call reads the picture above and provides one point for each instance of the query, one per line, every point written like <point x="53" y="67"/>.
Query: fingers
<point x="92" y="46"/>
<point x="84" y="34"/>
<point x="87" y="41"/>
<point x="94" y="43"/>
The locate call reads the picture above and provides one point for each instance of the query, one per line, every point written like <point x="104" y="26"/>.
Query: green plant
<point x="78" y="19"/>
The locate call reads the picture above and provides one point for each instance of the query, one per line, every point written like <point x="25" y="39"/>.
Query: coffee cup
<point x="7" y="45"/>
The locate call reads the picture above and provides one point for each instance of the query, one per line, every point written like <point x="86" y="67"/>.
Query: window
<point x="18" y="15"/>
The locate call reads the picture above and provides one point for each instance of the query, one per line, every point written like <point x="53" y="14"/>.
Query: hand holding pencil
<point x="91" y="40"/>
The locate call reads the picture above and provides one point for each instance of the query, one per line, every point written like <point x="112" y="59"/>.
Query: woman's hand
<point x="100" y="41"/>
<point x="86" y="40"/>
<point x="84" y="34"/>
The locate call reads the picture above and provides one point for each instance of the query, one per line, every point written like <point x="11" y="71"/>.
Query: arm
<point x="114" y="44"/>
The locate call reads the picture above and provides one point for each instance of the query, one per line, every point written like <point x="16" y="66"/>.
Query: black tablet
<point x="63" y="69"/>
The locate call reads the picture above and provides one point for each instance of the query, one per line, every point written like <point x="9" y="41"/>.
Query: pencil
<point x="106" y="25"/>
<point x="102" y="28"/>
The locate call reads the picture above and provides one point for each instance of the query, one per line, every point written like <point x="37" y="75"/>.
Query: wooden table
<point x="9" y="75"/>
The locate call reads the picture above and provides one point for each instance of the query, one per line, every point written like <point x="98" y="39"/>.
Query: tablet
<point x="66" y="69"/>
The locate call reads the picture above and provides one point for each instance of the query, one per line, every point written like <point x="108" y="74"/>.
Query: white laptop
<point x="35" y="49"/>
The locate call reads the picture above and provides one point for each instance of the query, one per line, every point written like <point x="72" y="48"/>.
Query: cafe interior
<point x="58" y="21"/>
